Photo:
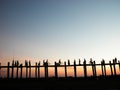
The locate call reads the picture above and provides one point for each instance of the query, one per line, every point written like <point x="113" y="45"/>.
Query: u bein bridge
<point x="17" y="68"/>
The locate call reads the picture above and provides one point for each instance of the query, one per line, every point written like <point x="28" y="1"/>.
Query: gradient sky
<point x="59" y="29"/>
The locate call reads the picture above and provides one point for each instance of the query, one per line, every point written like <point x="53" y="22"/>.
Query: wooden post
<point x="17" y="72"/>
<point x="8" y="70"/>
<point x="26" y="71"/>
<point x="36" y="70"/>
<point x="95" y="74"/>
<point x="45" y="71"/>
<point x="39" y="69"/>
<point x="102" y="68"/>
<point x="119" y="64"/>
<point x="26" y="64"/>
<point x="85" y="69"/>
<point x="56" y="72"/>
<point x="111" y="67"/>
<point x="65" y="70"/>
<point x="21" y="70"/>
<point x="12" y="73"/>
<point x="46" y="68"/>
<point x="114" y="66"/>
<point x="17" y="65"/>
<point x="75" y="72"/>
<point x="91" y="62"/>
<point x="0" y="70"/>
<point x="29" y="69"/>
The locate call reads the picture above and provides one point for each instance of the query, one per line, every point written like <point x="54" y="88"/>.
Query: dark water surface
<point x="99" y="83"/>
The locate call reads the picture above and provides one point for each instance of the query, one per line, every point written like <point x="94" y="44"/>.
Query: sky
<point x="59" y="29"/>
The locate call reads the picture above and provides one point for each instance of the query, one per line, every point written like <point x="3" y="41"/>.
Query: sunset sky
<point x="59" y="29"/>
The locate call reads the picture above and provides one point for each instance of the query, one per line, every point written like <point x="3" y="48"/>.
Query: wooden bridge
<point x="16" y="67"/>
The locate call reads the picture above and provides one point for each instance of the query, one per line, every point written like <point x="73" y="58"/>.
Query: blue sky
<point x="54" y="29"/>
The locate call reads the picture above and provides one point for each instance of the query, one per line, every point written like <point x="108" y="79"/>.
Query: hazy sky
<point x="59" y="29"/>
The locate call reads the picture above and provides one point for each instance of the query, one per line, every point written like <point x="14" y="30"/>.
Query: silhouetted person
<point x="79" y="61"/>
<point x="91" y="62"/>
<point x="115" y="60"/>
<point x="68" y="62"/>
<point x="93" y="67"/>
<point x="60" y="62"/>
<point x="45" y="63"/>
